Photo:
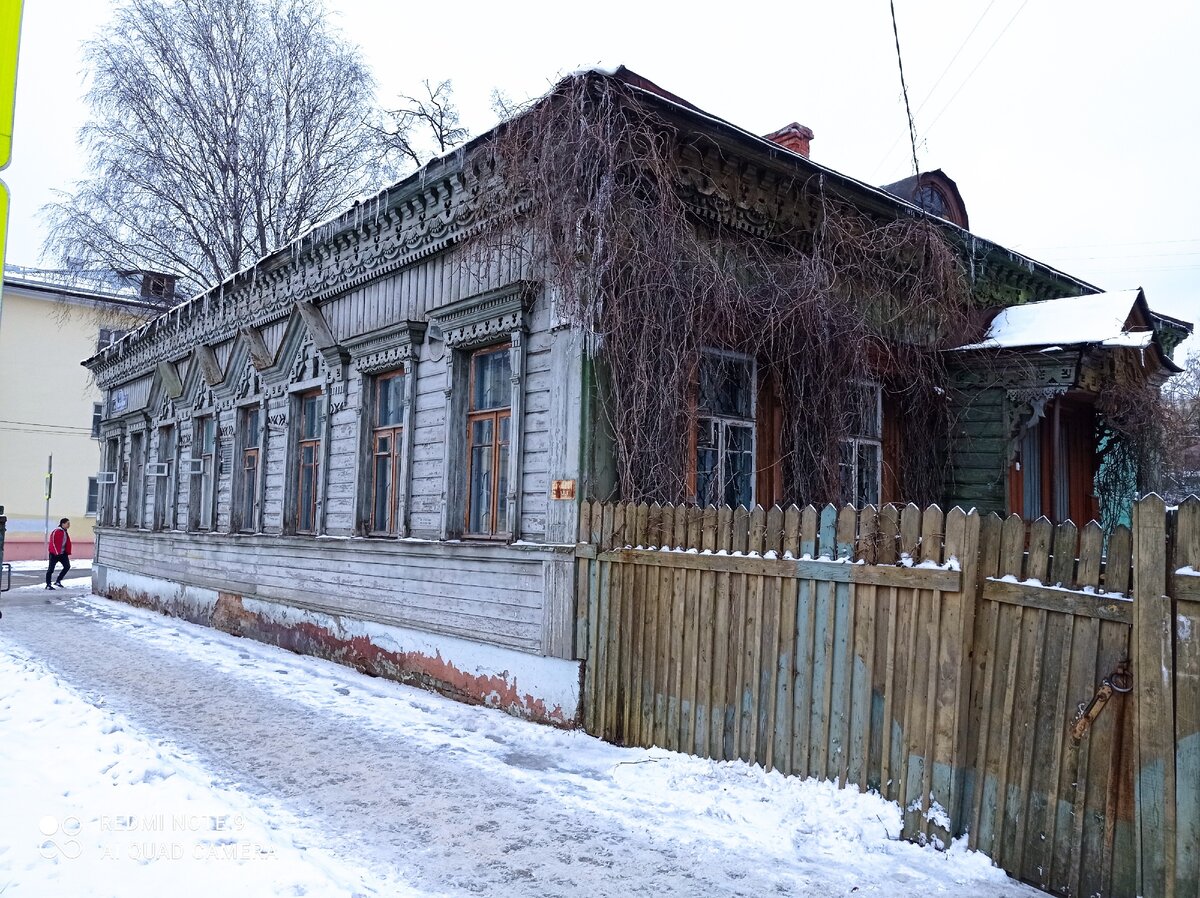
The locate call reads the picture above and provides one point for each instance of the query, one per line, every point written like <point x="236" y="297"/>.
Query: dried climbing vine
<point x="821" y="299"/>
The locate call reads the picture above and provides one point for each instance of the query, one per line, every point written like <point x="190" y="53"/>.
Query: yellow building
<point x="49" y="405"/>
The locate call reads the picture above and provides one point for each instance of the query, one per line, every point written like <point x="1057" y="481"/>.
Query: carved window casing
<point x="164" y="486"/>
<point x="386" y="361"/>
<point x="308" y="459"/>
<point x="388" y="407"/>
<point x="110" y="496"/>
<point x="248" y="472"/>
<point x="489" y="438"/>
<point x="482" y="340"/>
<point x="202" y="492"/>
<point x="136" y="507"/>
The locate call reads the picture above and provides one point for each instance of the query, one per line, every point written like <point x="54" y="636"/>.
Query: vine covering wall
<point x="821" y="293"/>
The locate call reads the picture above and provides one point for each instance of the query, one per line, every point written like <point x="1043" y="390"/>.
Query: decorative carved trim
<point x="358" y="248"/>
<point x="1037" y="395"/>
<point x="387" y="349"/>
<point x="483" y="318"/>
<point x="250" y="383"/>
<point x="260" y="356"/>
<point x="168" y="373"/>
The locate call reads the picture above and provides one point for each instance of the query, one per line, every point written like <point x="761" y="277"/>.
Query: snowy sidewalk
<point x="141" y="755"/>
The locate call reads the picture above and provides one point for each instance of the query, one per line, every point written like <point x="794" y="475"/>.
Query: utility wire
<point x="47" y="425"/>
<point x="912" y="128"/>
<point x="929" y="96"/>
<point x="977" y="65"/>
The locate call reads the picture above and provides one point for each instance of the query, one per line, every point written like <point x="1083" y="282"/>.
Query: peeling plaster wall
<point x="542" y="689"/>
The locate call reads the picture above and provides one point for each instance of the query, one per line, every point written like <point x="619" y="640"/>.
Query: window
<point x="250" y="431"/>
<point x="108" y="336"/>
<point x="725" y="430"/>
<point x="862" y="452"/>
<point x="164" y="486"/>
<point x="489" y="417"/>
<point x="112" y="467"/>
<point x="204" y="451"/>
<point x="308" y="453"/>
<point x="137" y="479"/>
<point x="93" y="495"/>
<point x="97" y="417"/>
<point x="387" y="428"/>
<point x="157" y="286"/>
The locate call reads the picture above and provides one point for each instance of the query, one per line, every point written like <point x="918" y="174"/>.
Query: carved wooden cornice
<point x="387" y="349"/>
<point x="483" y="318"/>
<point x="358" y="248"/>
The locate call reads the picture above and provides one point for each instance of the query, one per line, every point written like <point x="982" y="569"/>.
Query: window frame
<point x="97" y="419"/>
<point x="397" y="434"/>
<point x="92" y="502"/>
<point x="724" y="423"/>
<point x="206" y="479"/>
<point x="499" y="473"/>
<point x="317" y="466"/>
<point x="240" y="491"/>
<point x="854" y="441"/>
<point x="163" y="512"/>
<point x="135" y="504"/>
<point x="110" y="493"/>
<point x="456" y="331"/>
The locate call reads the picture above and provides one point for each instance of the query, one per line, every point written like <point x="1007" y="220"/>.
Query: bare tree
<point x="220" y="130"/>
<point x="434" y="116"/>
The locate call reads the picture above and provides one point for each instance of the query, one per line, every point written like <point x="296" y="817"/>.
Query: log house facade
<point x="372" y="445"/>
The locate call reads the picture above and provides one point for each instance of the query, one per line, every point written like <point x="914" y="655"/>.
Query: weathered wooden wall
<point x="426" y="585"/>
<point x="941" y="662"/>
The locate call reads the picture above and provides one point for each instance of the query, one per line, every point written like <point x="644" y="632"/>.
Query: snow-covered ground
<point x="81" y="564"/>
<point x="141" y="755"/>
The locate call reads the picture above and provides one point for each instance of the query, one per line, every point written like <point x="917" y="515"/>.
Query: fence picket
<point x="785" y="677"/>
<point x="721" y="661"/>
<point x="889" y="536"/>
<point x="634" y="650"/>
<point x="843" y="651"/>
<point x="823" y="631"/>
<point x="704" y="647"/>
<point x="1037" y="563"/>
<point x="983" y="682"/>
<point x="863" y="656"/>
<point x="1117" y="568"/>
<point x="802" y="688"/>
<point x="1187" y="705"/>
<point x="691" y="637"/>
<point x="1066" y="541"/>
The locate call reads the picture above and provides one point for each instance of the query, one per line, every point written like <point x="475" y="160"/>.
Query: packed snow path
<point x="382" y="789"/>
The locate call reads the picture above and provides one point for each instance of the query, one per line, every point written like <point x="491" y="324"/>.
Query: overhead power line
<point x="929" y="95"/>
<point x="912" y="128"/>
<point x="971" y="74"/>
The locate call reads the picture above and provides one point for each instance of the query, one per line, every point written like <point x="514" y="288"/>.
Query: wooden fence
<point x="938" y="659"/>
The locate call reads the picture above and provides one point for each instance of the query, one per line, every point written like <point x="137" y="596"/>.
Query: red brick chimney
<point x="794" y="137"/>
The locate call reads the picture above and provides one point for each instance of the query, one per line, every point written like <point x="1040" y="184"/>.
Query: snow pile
<point x="92" y="807"/>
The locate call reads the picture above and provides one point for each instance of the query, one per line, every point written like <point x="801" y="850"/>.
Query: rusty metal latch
<point x="1120" y="680"/>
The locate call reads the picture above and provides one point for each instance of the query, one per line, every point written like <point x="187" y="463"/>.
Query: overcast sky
<point x="1070" y="126"/>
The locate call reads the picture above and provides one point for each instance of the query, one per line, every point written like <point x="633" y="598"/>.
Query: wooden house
<point x="372" y="445"/>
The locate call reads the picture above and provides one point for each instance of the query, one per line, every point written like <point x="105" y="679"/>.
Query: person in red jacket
<point x="60" y="552"/>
